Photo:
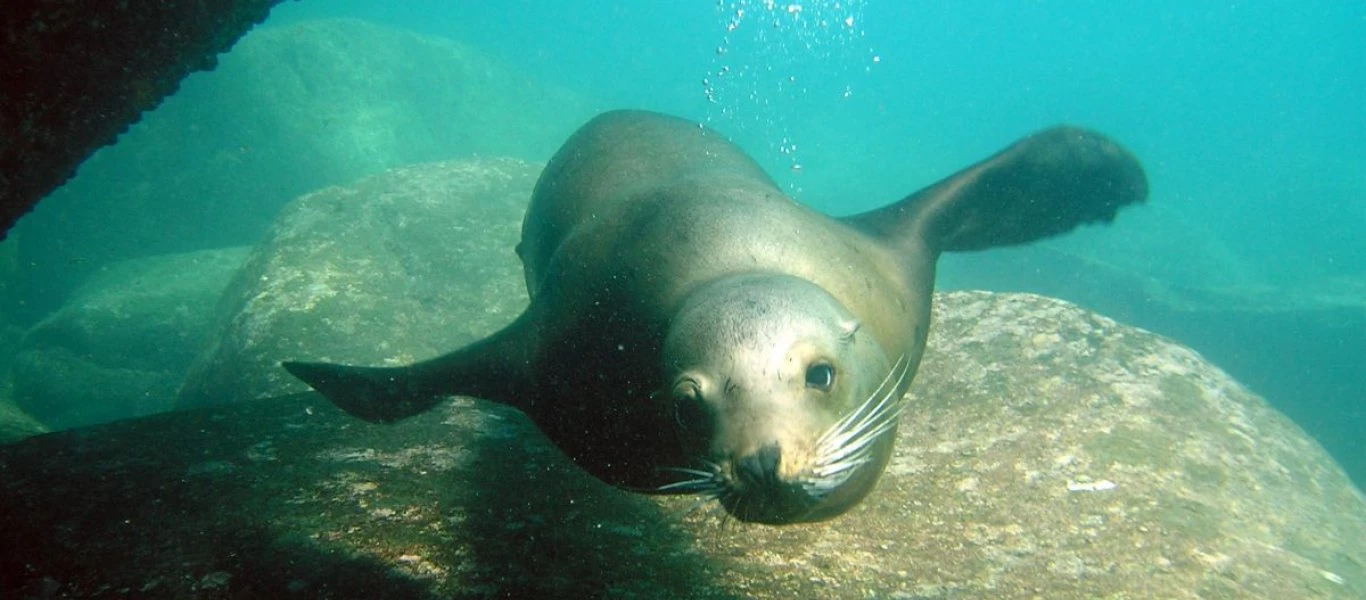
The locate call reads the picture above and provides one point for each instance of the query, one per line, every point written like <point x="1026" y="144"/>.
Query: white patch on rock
<point x="1103" y="485"/>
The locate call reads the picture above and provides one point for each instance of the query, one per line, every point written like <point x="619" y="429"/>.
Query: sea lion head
<point x="788" y="406"/>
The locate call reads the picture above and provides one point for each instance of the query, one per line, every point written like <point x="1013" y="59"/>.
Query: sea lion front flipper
<point x="493" y="369"/>
<point x="1043" y="185"/>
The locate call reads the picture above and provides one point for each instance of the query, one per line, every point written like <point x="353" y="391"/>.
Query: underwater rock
<point x="1299" y="347"/>
<point x="1048" y="452"/>
<point x="122" y="344"/>
<point x="15" y="424"/>
<point x="293" y="108"/>
<point x="397" y="267"/>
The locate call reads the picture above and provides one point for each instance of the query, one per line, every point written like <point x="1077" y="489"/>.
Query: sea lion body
<point x="693" y="330"/>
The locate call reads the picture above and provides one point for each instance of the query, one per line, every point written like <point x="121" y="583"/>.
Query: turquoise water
<point x="1246" y="114"/>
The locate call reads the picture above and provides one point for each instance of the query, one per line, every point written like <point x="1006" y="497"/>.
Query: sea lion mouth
<point x="751" y="490"/>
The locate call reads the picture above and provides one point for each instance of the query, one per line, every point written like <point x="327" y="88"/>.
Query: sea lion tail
<point x="1043" y="185"/>
<point x="376" y="394"/>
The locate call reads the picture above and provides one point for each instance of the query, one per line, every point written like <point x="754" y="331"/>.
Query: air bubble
<point x="822" y="43"/>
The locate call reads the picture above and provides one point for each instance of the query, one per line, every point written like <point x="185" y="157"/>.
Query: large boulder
<point x="293" y="108"/>
<point x="398" y="267"/>
<point x="1048" y="452"/>
<point x="15" y="424"/>
<point x="121" y="346"/>
<point x="1300" y="347"/>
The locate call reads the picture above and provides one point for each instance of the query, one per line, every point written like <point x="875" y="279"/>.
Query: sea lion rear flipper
<point x="1043" y="185"/>
<point x="376" y="394"/>
<point x="492" y="369"/>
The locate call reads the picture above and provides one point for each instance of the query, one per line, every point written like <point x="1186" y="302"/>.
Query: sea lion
<point x="693" y="330"/>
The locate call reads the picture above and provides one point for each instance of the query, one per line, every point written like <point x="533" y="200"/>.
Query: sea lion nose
<point x="760" y="468"/>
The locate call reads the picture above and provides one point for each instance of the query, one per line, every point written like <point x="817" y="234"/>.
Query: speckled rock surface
<point x="120" y="347"/>
<point x="1048" y="453"/>
<point x="398" y="267"/>
<point x="15" y="424"/>
<point x="1301" y="347"/>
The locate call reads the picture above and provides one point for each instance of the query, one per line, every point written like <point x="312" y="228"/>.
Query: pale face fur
<point x="765" y="362"/>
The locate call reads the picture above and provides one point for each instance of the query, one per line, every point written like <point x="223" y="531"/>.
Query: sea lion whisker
<point x="864" y="437"/>
<point x="900" y="362"/>
<point x="857" y="413"/>
<point x="688" y="471"/>
<point x="846" y="443"/>
<point x="871" y="410"/>
<point x="735" y="510"/>
<point x="828" y="478"/>
<point x="705" y="481"/>
<point x="891" y="400"/>
<point x="886" y="411"/>
<point x="861" y="445"/>
<point x="847" y="451"/>
<point x="841" y="432"/>
<point x="850" y="443"/>
<point x="836" y="468"/>
<point x="831" y="475"/>
<point x="690" y="486"/>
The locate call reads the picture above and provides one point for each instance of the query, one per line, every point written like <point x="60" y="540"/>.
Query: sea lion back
<point x="607" y="163"/>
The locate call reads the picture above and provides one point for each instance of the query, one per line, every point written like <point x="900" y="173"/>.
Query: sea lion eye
<point x="820" y="376"/>
<point x="689" y="411"/>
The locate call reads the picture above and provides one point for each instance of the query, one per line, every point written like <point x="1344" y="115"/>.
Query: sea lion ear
<point x="848" y="328"/>
<point x="1043" y="185"/>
